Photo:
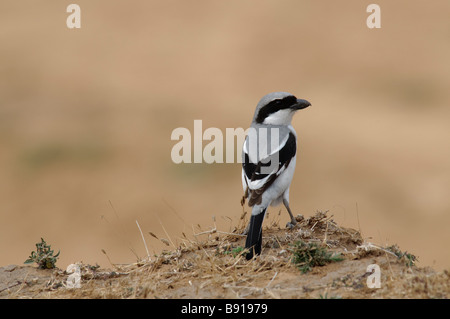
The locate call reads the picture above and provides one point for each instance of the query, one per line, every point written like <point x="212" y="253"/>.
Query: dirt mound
<point x="212" y="266"/>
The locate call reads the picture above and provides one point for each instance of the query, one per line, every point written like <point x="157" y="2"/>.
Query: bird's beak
<point x="301" y="104"/>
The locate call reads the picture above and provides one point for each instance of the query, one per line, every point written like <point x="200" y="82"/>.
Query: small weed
<point x="308" y="255"/>
<point x="234" y="251"/>
<point x="325" y="296"/>
<point x="237" y="251"/>
<point x="410" y="259"/>
<point x="43" y="256"/>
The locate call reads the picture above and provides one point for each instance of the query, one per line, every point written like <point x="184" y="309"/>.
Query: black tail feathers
<point x="254" y="236"/>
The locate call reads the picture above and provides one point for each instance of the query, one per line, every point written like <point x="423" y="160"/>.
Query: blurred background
<point x="86" y="117"/>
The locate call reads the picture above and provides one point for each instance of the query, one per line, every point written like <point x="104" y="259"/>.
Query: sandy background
<point x="86" y="117"/>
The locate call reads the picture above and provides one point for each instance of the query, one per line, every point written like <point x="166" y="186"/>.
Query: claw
<point x="291" y="224"/>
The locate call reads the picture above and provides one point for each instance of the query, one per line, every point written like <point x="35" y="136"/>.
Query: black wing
<point x="253" y="172"/>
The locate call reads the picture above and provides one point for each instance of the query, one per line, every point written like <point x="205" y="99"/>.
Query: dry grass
<point x="210" y="266"/>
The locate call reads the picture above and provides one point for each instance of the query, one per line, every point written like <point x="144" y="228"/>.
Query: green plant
<point x="43" y="256"/>
<point x="234" y="251"/>
<point x="326" y="296"/>
<point x="237" y="251"/>
<point x="308" y="255"/>
<point x="408" y="258"/>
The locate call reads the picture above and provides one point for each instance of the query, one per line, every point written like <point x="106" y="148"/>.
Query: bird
<point x="268" y="161"/>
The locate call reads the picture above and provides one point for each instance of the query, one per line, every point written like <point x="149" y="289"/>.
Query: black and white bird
<point x="268" y="163"/>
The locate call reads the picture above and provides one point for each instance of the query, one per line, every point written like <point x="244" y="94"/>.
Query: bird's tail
<point x="254" y="236"/>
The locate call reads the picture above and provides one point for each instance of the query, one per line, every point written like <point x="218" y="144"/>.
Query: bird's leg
<point x="293" y="222"/>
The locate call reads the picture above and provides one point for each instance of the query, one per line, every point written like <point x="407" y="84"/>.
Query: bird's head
<point x="278" y="108"/>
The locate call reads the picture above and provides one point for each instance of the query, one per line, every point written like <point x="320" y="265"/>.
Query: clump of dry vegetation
<point x="308" y="255"/>
<point x="211" y="265"/>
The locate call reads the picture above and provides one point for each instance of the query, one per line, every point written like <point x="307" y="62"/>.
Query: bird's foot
<point x="291" y="224"/>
